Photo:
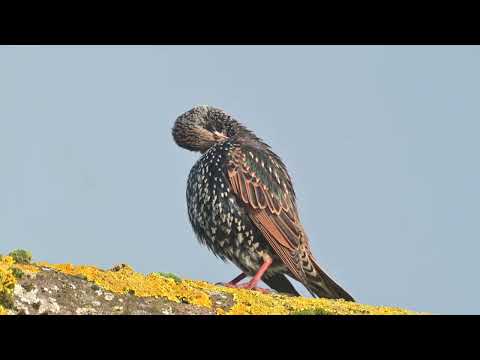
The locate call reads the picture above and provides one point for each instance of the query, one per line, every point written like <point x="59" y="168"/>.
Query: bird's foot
<point x="252" y="284"/>
<point x="246" y="286"/>
<point x="254" y="288"/>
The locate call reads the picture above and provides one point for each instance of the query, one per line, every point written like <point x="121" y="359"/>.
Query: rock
<point x="86" y="290"/>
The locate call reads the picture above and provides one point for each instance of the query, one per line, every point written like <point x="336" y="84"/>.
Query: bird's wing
<point x="263" y="186"/>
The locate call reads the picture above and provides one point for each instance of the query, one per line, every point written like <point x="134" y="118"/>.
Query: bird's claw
<point x="245" y="286"/>
<point x="262" y="290"/>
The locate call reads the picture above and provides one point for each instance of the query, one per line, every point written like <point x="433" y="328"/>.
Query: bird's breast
<point x="208" y="192"/>
<point x="216" y="217"/>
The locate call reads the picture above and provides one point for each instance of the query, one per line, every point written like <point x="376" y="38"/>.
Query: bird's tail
<point x="321" y="285"/>
<point x="280" y="283"/>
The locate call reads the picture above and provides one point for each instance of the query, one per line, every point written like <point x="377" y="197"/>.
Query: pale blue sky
<point x="381" y="142"/>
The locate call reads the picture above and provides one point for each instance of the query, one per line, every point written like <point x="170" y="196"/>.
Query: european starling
<point x="241" y="204"/>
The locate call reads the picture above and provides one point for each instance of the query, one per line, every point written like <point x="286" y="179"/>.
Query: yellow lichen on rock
<point x="6" y="262"/>
<point x="125" y="280"/>
<point x="253" y="302"/>
<point x="7" y="282"/>
<point x="27" y="268"/>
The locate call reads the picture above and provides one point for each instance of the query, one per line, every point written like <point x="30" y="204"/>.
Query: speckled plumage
<point x="216" y="216"/>
<point x="241" y="203"/>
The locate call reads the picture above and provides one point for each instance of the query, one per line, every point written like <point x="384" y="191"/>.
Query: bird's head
<point x="202" y="127"/>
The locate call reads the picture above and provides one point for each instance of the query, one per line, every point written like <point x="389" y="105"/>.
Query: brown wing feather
<point x="277" y="240"/>
<point x="274" y="215"/>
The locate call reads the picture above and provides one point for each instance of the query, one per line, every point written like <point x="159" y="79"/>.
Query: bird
<point x="242" y="206"/>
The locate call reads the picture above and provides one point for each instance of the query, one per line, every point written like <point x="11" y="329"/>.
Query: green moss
<point x="317" y="311"/>
<point x="17" y="273"/>
<point x="21" y="256"/>
<point x="170" y="275"/>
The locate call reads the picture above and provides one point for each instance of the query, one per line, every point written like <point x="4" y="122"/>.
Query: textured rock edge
<point x="43" y="288"/>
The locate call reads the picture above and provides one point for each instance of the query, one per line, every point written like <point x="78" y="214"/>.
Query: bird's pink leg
<point x="252" y="284"/>
<point x="237" y="279"/>
<point x="233" y="282"/>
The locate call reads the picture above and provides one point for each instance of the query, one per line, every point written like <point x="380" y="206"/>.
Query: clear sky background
<point x="382" y="143"/>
